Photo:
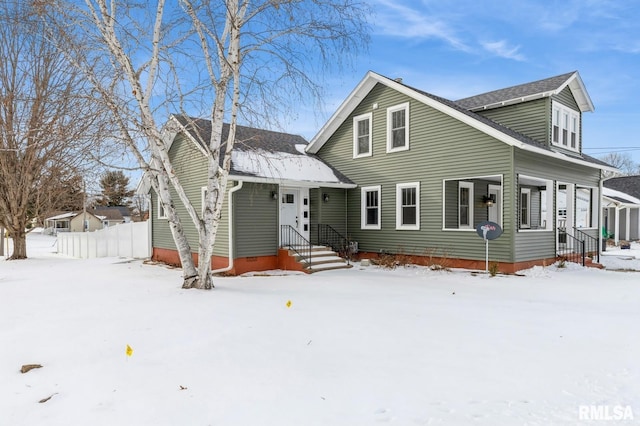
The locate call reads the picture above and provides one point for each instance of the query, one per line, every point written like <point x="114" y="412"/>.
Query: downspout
<point x="230" y="225"/>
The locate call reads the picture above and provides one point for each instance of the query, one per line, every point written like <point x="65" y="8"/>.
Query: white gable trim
<point x="371" y="79"/>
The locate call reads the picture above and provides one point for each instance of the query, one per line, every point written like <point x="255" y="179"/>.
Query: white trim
<point x="594" y="195"/>
<point x="162" y="214"/>
<point x="356" y="145"/>
<point x="498" y="204"/>
<point x="371" y="79"/>
<point x="401" y="107"/>
<point x="363" y="206"/>
<point x="399" y="206"/>
<point x="469" y="186"/>
<point x="293" y="183"/>
<point x="522" y="224"/>
<point x="565" y="118"/>
<point x="203" y="195"/>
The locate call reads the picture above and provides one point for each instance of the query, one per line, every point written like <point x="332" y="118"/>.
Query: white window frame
<point x="203" y="195"/>
<point x="161" y="213"/>
<point x="356" y="145"/>
<point x="525" y="224"/>
<point x="390" y="111"/>
<point x="593" y="206"/>
<point x="567" y="122"/>
<point x="363" y="207"/>
<point x="469" y="186"/>
<point x="399" y="206"/>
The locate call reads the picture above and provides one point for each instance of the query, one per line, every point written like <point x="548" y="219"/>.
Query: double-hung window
<point x="362" y="135"/>
<point x="565" y="127"/>
<point x="408" y="206"/>
<point x="525" y="207"/>
<point x="465" y="205"/>
<point x="398" y="128"/>
<point x="370" y="207"/>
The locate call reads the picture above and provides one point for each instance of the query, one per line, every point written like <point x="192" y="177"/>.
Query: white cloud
<point x="395" y="19"/>
<point x="502" y="49"/>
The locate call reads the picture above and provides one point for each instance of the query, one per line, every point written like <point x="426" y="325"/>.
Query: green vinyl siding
<point x="255" y="225"/>
<point x="566" y="98"/>
<point x="529" y="118"/>
<point x="332" y="212"/>
<point x="441" y="148"/>
<point x="539" y="244"/>
<point x="190" y="167"/>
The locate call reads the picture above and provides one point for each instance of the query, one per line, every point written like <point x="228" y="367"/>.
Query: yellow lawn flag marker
<point x="289" y="303"/>
<point x="129" y="350"/>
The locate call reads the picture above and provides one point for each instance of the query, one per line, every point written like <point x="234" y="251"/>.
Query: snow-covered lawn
<point x="358" y="347"/>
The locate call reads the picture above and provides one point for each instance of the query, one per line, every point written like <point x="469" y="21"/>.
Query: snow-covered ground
<point x="363" y="346"/>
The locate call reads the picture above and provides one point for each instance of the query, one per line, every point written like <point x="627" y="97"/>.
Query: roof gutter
<point x="230" y="216"/>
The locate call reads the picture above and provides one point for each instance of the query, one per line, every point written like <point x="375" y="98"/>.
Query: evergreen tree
<point x="114" y="185"/>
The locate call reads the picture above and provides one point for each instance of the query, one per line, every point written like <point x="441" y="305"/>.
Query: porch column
<point x="616" y="229"/>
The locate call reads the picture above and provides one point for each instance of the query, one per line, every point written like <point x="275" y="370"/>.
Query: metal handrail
<point x="591" y="244"/>
<point x="573" y="250"/>
<point x="294" y="241"/>
<point x="577" y="247"/>
<point x="328" y="236"/>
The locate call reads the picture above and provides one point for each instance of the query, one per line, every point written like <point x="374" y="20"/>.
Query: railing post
<point x="584" y="254"/>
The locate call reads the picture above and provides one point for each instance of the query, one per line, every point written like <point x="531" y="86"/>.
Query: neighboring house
<point x="85" y="222"/>
<point x="620" y="210"/>
<point x="407" y="172"/>
<point x="72" y="222"/>
<point x="111" y="216"/>
<point x="58" y="222"/>
<point x="628" y="184"/>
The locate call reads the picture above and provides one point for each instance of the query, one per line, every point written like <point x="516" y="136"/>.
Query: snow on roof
<point x="619" y="196"/>
<point x="62" y="216"/>
<point x="283" y="166"/>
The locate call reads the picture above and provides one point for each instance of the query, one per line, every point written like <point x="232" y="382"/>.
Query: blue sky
<point x="461" y="48"/>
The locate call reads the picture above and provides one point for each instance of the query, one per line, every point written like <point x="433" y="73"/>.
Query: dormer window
<point x="565" y="127"/>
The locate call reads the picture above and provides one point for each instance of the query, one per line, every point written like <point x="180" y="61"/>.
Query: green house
<point x="415" y="174"/>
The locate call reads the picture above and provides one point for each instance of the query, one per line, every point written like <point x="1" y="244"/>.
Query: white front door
<point x="294" y="211"/>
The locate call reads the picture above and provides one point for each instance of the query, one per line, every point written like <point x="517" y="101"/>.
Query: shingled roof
<point x="528" y="91"/>
<point x="627" y="184"/>
<point x="267" y="154"/>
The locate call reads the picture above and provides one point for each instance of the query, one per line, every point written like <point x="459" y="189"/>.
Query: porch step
<point x="322" y="259"/>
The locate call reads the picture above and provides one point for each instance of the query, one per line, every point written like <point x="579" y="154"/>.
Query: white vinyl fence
<point x="125" y="240"/>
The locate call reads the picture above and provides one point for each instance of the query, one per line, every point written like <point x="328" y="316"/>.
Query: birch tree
<point x="222" y="59"/>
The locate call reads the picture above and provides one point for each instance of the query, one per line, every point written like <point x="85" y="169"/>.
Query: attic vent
<point x="398" y="79"/>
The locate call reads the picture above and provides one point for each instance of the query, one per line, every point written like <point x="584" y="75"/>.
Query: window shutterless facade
<point x="370" y="207"/>
<point x="362" y="135"/>
<point x="398" y="128"/>
<point x="565" y="127"/>
<point x="465" y="205"/>
<point x="525" y="208"/>
<point x="408" y="206"/>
